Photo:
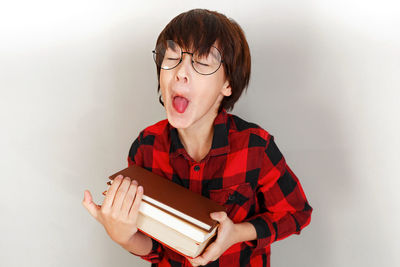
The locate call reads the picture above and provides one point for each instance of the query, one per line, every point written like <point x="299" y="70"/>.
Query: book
<point x="172" y="214"/>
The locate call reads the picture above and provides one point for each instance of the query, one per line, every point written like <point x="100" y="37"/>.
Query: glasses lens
<point x="207" y="63"/>
<point x="167" y="55"/>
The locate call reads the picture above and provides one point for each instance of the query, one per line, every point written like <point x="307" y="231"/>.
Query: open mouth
<point x="180" y="103"/>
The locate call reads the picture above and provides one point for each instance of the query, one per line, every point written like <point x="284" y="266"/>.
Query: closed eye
<point x="202" y="64"/>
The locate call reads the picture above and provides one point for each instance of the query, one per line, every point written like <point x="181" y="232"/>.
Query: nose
<point x="184" y="68"/>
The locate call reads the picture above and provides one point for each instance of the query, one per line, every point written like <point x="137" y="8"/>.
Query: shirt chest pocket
<point x="237" y="199"/>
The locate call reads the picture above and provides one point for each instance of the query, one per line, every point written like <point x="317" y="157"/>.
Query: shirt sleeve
<point x="135" y="156"/>
<point x="282" y="206"/>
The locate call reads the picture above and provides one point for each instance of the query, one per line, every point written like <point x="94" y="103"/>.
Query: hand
<point x="227" y="236"/>
<point x="120" y="209"/>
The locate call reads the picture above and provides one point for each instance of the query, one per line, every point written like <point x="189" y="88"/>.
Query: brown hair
<point x="199" y="29"/>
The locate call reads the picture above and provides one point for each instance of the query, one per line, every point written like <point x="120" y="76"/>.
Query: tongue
<point x="180" y="104"/>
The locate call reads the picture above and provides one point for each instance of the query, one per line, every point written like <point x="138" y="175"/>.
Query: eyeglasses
<point x="168" y="55"/>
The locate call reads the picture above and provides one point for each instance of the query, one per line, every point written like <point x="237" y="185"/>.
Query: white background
<point x="78" y="83"/>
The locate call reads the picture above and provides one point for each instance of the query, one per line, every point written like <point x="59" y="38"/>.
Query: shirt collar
<point x="220" y="142"/>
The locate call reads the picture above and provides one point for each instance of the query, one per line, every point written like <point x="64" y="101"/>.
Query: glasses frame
<point x="191" y="60"/>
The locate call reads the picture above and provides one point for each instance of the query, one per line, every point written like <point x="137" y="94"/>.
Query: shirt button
<point x="197" y="168"/>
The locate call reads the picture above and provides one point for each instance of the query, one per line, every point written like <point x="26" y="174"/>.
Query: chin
<point x="178" y="120"/>
<point x="179" y="124"/>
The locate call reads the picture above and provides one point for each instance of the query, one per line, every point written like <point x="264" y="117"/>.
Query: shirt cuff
<point x="265" y="233"/>
<point x="154" y="255"/>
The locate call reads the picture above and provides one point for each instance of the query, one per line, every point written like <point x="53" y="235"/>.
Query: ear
<point x="226" y="89"/>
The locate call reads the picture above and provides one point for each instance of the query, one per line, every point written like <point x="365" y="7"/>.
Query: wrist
<point x="139" y="244"/>
<point x="128" y="243"/>
<point x="244" y="232"/>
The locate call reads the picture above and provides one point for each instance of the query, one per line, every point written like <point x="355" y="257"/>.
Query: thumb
<point x="218" y="216"/>
<point x="90" y="205"/>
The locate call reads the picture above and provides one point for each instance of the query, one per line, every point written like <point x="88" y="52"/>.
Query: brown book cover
<point x="173" y="195"/>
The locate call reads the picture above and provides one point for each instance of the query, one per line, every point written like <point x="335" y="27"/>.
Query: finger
<point x="200" y="260"/>
<point x="191" y="261"/>
<point x="133" y="213"/>
<point x="121" y="193"/>
<point x="109" y="183"/>
<point x="108" y="200"/>
<point x="90" y="205"/>
<point x="219" y="216"/>
<point x="211" y="253"/>
<point x="129" y="198"/>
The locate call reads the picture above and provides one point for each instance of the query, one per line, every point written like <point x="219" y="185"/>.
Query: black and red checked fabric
<point x="244" y="171"/>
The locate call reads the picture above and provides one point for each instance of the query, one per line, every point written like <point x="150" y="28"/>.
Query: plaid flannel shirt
<point x="244" y="171"/>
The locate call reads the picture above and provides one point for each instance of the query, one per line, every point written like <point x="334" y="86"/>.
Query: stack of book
<point x="172" y="214"/>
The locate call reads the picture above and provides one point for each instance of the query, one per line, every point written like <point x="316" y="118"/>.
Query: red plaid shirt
<point x="244" y="171"/>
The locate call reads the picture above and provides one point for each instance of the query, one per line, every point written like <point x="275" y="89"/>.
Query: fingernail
<point x="140" y="189"/>
<point x="135" y="182"/>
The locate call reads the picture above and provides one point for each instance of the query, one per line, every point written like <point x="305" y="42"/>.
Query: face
<point x="191" y="99"/>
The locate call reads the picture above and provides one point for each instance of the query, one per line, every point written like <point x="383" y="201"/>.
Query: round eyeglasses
<point x="169" y="54"/>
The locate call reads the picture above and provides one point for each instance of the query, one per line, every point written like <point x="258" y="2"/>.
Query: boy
<point x="203" y="66"/>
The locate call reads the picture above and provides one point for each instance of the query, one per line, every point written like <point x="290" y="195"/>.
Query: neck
<point x="198" y="140"/>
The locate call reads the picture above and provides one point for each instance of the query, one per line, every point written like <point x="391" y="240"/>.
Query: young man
<point x="203" y="65"/>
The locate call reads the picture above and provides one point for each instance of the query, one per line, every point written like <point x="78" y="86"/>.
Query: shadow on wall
<point x="293" y="95"/>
